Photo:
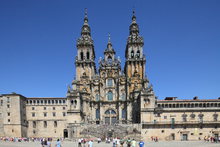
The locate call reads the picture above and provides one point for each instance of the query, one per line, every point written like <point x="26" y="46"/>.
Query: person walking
<point x="90" y="144"/>
<point x="58" y="143"/>
<point x="141" y="143"/>
<point x="128" y="142"/>
<point x="48" y="142"/>
<point x="133" y="143"/>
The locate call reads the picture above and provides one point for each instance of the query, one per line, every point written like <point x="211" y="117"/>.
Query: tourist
<point x="79" y="142"/>
<point x="118" y="142"/>
<point x="99" y="140"/>
<point x="48" y="142"/>
<point x="141" y="143"/>
<point x="43" y="142"/>
<point x="90" y="144"/>
<point x="121" y="142"/>
<point x="128" y="142"/>
<point x="58" y="143"/>
<point x="156" y="139"/>
<point x="114" y="142"/>
<point x="133" y="143"/>
<point x="152" y="138"/>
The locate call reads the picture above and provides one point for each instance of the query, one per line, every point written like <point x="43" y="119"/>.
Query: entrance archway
<point x="65" y="133"/>
<point x="110" y="117"/>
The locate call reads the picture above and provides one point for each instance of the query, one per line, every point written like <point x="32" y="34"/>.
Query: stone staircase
<point x="119" y="130"/>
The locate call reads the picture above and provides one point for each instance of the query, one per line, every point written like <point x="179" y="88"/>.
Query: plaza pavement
<point x="147" y="144"/>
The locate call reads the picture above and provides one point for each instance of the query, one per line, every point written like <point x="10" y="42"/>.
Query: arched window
<point x="87" y="55"/>
<point x="81" y="55"/>
<point x="97" y="114"/>
<point x="138" y="54"/>
<point x="123" y="113"/>
<point x="110" y="117"/>
<point x="110" y="96"/>
<point x="110" y="112"/>
<point x="109" y="59"/>
<point x="132" y="54"/>
<point x="97" y="97"/>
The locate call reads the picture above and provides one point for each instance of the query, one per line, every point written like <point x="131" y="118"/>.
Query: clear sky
<point x="182" y="43"/>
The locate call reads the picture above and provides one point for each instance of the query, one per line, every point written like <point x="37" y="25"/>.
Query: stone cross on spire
<point x="109" y="38"/>
<point x="85" y="16"/>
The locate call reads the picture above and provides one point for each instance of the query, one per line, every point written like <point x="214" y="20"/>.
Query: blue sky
<point x="182" y="43"/>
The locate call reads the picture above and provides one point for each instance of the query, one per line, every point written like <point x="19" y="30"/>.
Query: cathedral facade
<point x="109" y="101"/>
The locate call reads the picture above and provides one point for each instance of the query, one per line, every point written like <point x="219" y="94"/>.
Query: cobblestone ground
<point x="147" y="144"/>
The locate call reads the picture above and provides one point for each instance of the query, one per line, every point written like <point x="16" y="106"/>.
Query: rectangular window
<point x="9" y="120"/>
<point x="172" y="123"/>
<point x="33" y="114"/>
<point x="45" y="108"/>
<point x="54" y="108"/>
<point x="97" y="97"/>
<point x="1" y="102"/>
<point x="123" y="96"/>
<point x="34" y="124"/>
<point x="8" y="100"/>
<point x="8" y="106"/>
<point x="64" y="113"/>
<point x="123" y="113"/>
<point x="8" y="113"/>
<point x="45" y="114"/>
<point x="33" y="108"/>
<point x="45" y="124"/>
<point x="54" y="114"/>
<point x="97" y="114"/>
<point x="109" y="82"/>
<point x="165" y="117"/>
<point x="55" y="124"/>
<point x="64" y="108"/>
<point x="110" y="96"/>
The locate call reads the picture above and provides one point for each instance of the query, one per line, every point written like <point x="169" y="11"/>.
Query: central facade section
<point x="109" y="95"/>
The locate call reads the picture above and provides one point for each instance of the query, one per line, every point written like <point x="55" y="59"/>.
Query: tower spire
<point x="109" y="45"/>
<point x="85" y="27"/>
<point x="109" y="38"/>
<point x="133" y="16"/>
<point x="85" y="16"/>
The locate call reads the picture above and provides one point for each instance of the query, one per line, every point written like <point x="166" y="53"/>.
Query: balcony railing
<point x="181" y="122"/>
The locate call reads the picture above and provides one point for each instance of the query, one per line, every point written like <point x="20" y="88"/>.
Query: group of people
<point x="21" y="139"/>
<point x="82" y="142"/>
<point x="47" y="142"/>
<point x="116" y="142"/>
<point x="212" y="139"/>
<point x="155" y="139"/>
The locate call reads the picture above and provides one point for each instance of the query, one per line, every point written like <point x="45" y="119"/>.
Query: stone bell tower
<point x="135" y="59"/>
<point x="85" y="59"/>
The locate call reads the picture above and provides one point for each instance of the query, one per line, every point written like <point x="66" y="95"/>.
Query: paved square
<point x="147" y="144"/>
